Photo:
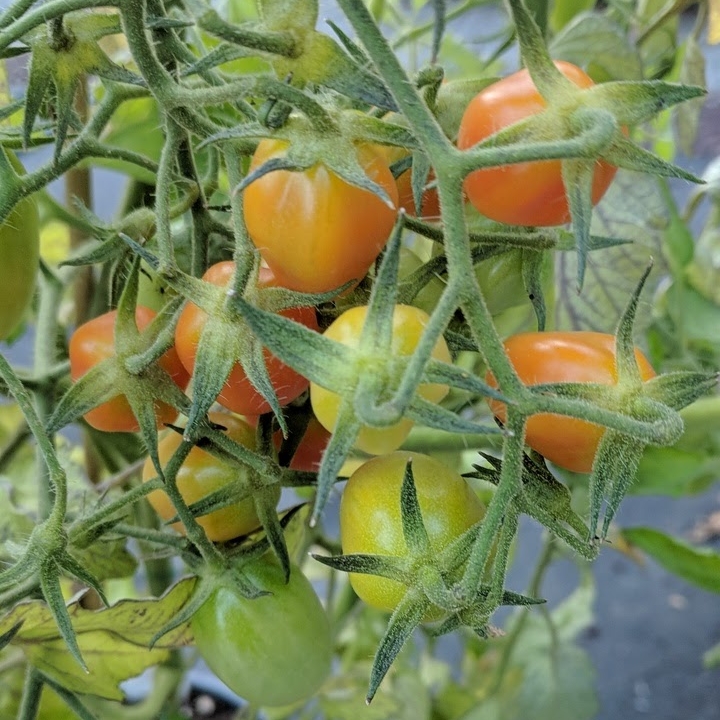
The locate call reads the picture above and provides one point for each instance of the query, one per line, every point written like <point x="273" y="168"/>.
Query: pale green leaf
<point x="632" y="209"/>
<point x="598" y="43"/>
<point x="698" y="566"/>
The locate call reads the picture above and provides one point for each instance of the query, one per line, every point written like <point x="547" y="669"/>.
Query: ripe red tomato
<point x="530" y="193"/>
<point x="272" y="650"/>
<point x="93" y="342"/>
<point x="371" y="519"/>
<point x="238" y="393"/>
<point x="408" y="325"/>
<point x="552" y="357"/>
<point x="201" y="474"/>
<point x="312" y="228"/>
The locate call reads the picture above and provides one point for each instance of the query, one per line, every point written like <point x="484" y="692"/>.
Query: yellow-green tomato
<point x="371" y="519"/>
<point x="272" y="650"/>
<point x="19" y="258"/>
<point x="201" y="474"/>
<point x="408" y="325"/>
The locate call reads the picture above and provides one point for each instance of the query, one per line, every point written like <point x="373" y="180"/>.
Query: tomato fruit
<point x="408" y="325"/>
<point x="552" y="357"/>
<point x="238" y="394"/>
<point x="309" y="452"/>
<point x="201" y="474"/>
<point x="273" y="650"/>
<point x="430" y="209"/>
<point x="93" y="342"/>
<point x="530" y="193"/>
<point x="314" y="230"/>
<point x="19" y="258"/>
<point x="371" y="519"/>
<point x="501" y="279"/>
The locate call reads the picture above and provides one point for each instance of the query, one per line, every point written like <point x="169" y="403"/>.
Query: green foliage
<point x="180" y="95"/>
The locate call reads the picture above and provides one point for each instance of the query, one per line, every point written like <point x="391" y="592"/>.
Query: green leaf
<point x="687" y="115"/>
<point x="698" y="566"/>
<point x="106" y="559"/>
<point x="711" y="659"/>
<point x="598" y="43"/>
<point x="633" y="209"/>
<point x="674" y="472"/>
<point x="113" y="642"/>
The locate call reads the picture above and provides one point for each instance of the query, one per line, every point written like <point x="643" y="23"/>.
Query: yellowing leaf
<point x="113" y="642"/>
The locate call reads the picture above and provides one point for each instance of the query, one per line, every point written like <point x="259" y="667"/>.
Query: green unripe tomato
<point x="19" y="258"/>
<point x="501" y="280"/>
<point x="273" y="650"/>
<point x="371" y="516"/>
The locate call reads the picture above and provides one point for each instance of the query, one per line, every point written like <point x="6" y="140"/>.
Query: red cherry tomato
<point x="530" y="193"/>
<point x="238" y="394"/>
<point x="552" y="357"/>
<point x="94" y="342"/>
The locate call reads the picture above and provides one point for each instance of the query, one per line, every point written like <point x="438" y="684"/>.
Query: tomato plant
<point x="201" y="474"/>
<point x="529" y="193"/>
<point x="93" y="342"/>
<point x="408" y="325"/>
<point x="19" y="253"/>
<point x="371" y="520"/>
<point x="271" y="650"/>
<point x="553" y="357"/>
<point x="238" y="393"/>
<point x="314" y="230"/>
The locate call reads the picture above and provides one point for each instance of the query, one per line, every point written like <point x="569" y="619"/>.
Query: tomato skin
<point x="371" y="520"/>
<point x="19" y="258"/>
<point x="314" y="230"/>
<point x="551" y="357"/>
<point x="93" y="342"/>
<point x="238" y="394"/>
<point x="273" y="650"/>
<point x="408" y="325"/>
<point x="530" y="193"/>
<point x="430" y="209"/>
<point x="201" y="474"/>
<point x="309" y="452"/>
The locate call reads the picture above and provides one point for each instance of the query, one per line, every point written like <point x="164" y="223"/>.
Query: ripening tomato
<point x="201" y="474"/>
<point x="312" y="228"/>
<point x="553" y="357"/>
<point x="19" y="258"/>
<point x="238" y="394"/>
<point x="93" y="342"/>
<point x="408" y="325"/>
<point x="371" y="519"/>
<point x="272" y="650"/>
<point x="530" y="193"/>
<point x="430" y="209"/>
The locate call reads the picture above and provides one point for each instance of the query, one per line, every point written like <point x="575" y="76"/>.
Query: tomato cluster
<point x="317" y="233"/>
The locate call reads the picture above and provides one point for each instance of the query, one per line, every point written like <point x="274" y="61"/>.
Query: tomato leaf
<point x="687" y="115"/>
<point x="698" y="566"/>
<point x="598" y="43"/>
<point x="633" y="209"/>
<point x="113" y="642"/>
<point x="674" y="472"/>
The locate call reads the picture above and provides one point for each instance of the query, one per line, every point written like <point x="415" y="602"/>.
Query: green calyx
<point x="63" y="53"/>
<point x="430" y="578"/>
